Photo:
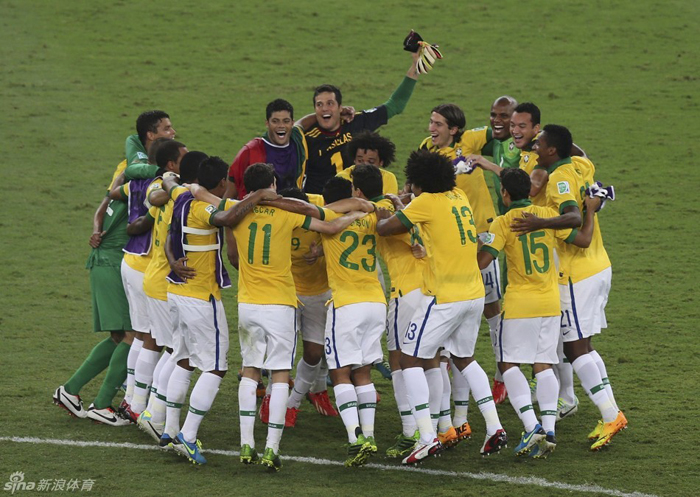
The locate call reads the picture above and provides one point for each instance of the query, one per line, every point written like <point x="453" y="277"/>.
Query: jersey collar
<point x="519" y="204"/>
<point x="558" y="163"/>
<point x="377" y="199"/>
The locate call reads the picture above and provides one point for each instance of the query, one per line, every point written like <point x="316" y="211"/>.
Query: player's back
<point x="309" y="279"/>
<point x="263" y="238"/>
<point x="449" y="233"/>
<point x="528" y="163"/>
<point x="351" y="262"/>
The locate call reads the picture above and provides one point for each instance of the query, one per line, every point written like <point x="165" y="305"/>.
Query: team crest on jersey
<point x="141" y="155"/>
<point x="210" y="209"/>
<point x="458" y="152"/>
<point x="369" y="111"/>
<point x="511" y="146"/>
<point x="563" y="187"/>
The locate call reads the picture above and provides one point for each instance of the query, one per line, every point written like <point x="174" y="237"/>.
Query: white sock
<point x="366" y="408"/>
<point x="320" y="384"/>
<point x="201" y="399"/>
<point x="604" y="375"/>
<point x="346" y="400"/>
<point x="131" y="359"/>
<point x="247" y="405"/>
<point x="143" y="377"/>
<point x="306" y="375"/>
<point x="278" y="410"/>
<point x="565" y="374"/>
<point x="519" y="395"/>
<point x="481" y="391"/>
<point x="547" y="396"/>
<point x="408" y="424"/>
<point x="178" y="385"/>
<point x="494" y="324"/>
<point x="445" y="420"/>
<point x="589" y="374"/>
<point x="460" y="395"/>
<point x="419" y="398"/>
<point x="155" y="384"/>
<point x="160" y="398"/>
<point x="434" y="379"/>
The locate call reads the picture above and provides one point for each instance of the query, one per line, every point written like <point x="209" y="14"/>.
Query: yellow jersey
<point x="568" y="180"/>
<point x="528" y="163"/>
<point x="155" y="284"/>
<point x="309" y="279"/>
<point x="138" y="262"/>
<point x="532" y="274"/>
<point x="263" y="238"/>
<point x="121" y="167"/>
<point x="473" y="184"/>
<point x="351" y="261"/>
<point x="389" y="182"/>
<point x="449" y="233"/>
<point x="405" y="271"/>
<point x="202" y="249"/>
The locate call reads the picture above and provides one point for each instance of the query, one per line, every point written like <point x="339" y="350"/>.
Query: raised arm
<point x="398" y="100"/>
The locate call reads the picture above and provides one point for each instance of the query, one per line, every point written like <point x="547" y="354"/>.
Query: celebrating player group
<point x="305" y="214"/>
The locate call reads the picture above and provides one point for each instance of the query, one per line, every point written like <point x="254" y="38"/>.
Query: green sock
<point x="95" y="363"/>
<point x="116" y="374"/>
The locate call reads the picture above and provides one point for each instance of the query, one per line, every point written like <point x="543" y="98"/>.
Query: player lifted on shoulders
<point x="453" y="296"/>
<point x="586" y="273"/>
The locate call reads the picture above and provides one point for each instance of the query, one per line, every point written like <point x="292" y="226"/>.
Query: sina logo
<point x="17" y="483"/>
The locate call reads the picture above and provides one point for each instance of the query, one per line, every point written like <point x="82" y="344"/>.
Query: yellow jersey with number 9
<point x="309" y="279"/>
<point x="450" y="236"/>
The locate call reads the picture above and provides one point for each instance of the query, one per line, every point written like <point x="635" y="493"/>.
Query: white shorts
<point x="454" y="325"/>
<point x="491" y="276"/>
<point x="133" y="287"/>
<point x="311" y="317"/>
<point x="583" y="306"/>
<point x="528" y="340"/>
<point x="268" y="336"/>
<point x="202" y="332"/>
<point x="353" y="334"/>
<point x="159" y="321"/>
<point x="399" y="317"/>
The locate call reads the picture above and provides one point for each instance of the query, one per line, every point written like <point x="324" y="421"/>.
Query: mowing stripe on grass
<point x="515" y="480"/>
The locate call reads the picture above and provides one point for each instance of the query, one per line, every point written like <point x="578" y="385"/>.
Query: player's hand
<point x="526" y="224"/>
<point x="593" y="203"/>
<point x="269" y="194"/>
<point x="313" y="254"/>
<point x="170" y="174"/>
<point x="181" y="269"/>
<point x="397" y="201"/>
<point x="383" y="213"/>
<point x="347" y="113"/>
<point x="418" y="250"/>
<point x="96" y="238"/>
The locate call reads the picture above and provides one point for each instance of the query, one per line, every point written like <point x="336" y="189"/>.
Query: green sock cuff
<point x="368" y="405"/>
<point x="140" y="385"/>
<point x="445" y="413"/>
<point x="484" y="400"/>
<point x="405" y="413"/>
<point x="421" y="407"/>
<point x="548" y="413"/>
<point x="247" y="413"/>
<point x="174" y="405"/>
<point x="161" y="397"/>
<point x="197" y="411"/>
<point x="597" y="389"/>
<point x="527" y="408"/>
<point x="275" y="426"/>
<point x="461" y="403"/>
<point x="434" y="416"/>
<point x="347" y="405"/>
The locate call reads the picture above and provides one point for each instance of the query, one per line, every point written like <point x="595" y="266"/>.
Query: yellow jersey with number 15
<point x="448" y="230"/>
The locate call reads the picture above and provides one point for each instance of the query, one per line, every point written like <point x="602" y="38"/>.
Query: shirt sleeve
<point x="141" y="171"/>
<point x="328" y="214"/>
<point x="370" y="119"/>
<point x="398" y="100"/>
<point x="418" y="211"/>
<point x="495" y="239"/>
<point x="134" y="150"/>
<point x="391" y="184"/>
<point x="203" y="212"/>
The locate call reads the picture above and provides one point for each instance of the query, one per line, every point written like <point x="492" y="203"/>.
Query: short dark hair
<point x="331" y="89"/>
<point x="168" y="151"/>
<point x="430" y="171"/>
<point x="560" y="138"/>
<point x="148" y="121"/>
<point x="294" y="192"/>
<point x="454" y="116"/>
<point x="529" y="108"/>
<point x="154" y="147"/>
<point x="211" y="171"/>
<point x="516" y="182"/>
<point x="258" y="176"/>
<point x="368" y="179"/>
<point x="337" y="188"/>
<point x="278" y="105"/>
<point x="370" y="140"/>
<point x="189" y="166"/>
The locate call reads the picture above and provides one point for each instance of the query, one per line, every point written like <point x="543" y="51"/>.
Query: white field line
<point x="494" y="477"/>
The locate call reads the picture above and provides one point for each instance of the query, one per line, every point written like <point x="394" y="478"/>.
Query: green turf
<point x="622" y="75"/>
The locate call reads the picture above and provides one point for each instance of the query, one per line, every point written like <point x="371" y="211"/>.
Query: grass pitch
<point x="622" y="76"/>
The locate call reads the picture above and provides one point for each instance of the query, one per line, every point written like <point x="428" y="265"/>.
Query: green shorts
<point x="110" y="309"/>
